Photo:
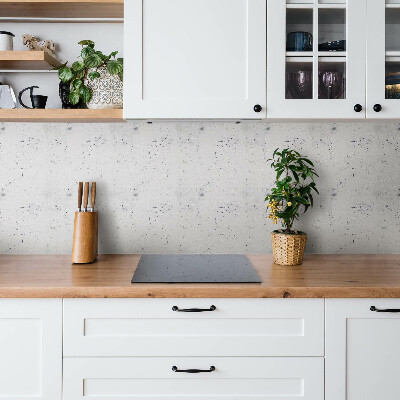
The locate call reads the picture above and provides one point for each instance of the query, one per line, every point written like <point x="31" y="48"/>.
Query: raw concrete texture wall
<point x="195" y="187"/>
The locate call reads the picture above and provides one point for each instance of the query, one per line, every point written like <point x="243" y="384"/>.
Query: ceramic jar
<point x="106" y="90"/>
<point x="6" y="41"/>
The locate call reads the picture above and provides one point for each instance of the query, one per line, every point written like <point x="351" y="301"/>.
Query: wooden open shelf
<point x="27" y="60"/>
<point x="60" y="115"/>
<point x="62" y="9"/>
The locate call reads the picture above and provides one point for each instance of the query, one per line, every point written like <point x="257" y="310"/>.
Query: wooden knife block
<point x="85" y="243"/>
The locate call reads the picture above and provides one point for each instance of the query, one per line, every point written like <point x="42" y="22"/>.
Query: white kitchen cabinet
<point x="236" y="327"/>
<point x="383" y="59"/>
<point x="153" y="378"/>
<point x="305" y="80"/>
<point x="195" y="59"/>
<point x="30" y="349"/>
<point x="362" y="349"/>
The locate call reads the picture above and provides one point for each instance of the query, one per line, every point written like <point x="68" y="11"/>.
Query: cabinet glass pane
<point x="299" y="79"/>
<point x="392" y="46"/>
<point x="299" y="28"/>
<point x="393" y="29"/>
<point x="392" y="80"/>
<point x="331" y="29"/>
<point x="331" y="78"/>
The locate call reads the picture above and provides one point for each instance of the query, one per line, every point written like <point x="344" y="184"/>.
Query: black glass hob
<point x="195" y="268"/>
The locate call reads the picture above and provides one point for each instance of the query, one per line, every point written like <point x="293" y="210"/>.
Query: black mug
<point x="37" y="100"/>
<point x="299" y="41"/>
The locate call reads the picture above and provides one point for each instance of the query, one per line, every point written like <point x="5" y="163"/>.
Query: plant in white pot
<point x="95" y="80"/>
<point x="294" y="184"/>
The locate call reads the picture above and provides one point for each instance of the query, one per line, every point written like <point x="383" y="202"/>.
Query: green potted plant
<point x="294" y="185"/>
<point x="95" y="80"/>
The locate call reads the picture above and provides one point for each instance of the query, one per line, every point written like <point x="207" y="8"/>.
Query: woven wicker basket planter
<point x="288" y="249"/>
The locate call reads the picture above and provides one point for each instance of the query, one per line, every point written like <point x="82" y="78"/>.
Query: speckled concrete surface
<point x="195" y="187"/>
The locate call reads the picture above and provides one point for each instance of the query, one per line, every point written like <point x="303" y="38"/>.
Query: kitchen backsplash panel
<point x="195" y="187"/>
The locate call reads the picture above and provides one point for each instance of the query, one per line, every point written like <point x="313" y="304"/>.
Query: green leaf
<point x="295" y="176"/>
<point x="121" y="75"/>
<point x="279" y="173"/>
<point x="308" y="161"/>
<point x="77" y="66"/>
<point x="86" y="52"/>
<point x="76" y="84"/>
<point x="113" y="54"/>
<point x="93" y="75"/>
<point x="84" y="93"/>
<point x="79" y="74"/>
<point x="65" y="74"/>
<point x="114" y="67"/>
<point x="93" y="61"/>
<point x="73" y="98"/>
<point x="102" y="56"/>
<point x="301" y="200"/>
<point x="86" y="43"/>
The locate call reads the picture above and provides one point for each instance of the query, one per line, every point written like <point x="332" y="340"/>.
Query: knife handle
<point x="86" y="196"/>
<point x="93" y="195"/>
<point x="80" y="190"/>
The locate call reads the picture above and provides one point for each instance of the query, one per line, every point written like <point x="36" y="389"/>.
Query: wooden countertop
<point x="323" y="276"/>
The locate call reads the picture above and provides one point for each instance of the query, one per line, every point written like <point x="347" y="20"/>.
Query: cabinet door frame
<point x="49" y="313"/>
<point x="137" y="107"/>
<point x="376" y="63"/>
<point x="337" y="313"/>
<point x="277" y="105"/>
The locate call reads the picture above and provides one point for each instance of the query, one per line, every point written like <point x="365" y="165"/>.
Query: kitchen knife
<point x="93" y="196"/>
<point x="80" y="190"/>
<point x="85" y="196"/>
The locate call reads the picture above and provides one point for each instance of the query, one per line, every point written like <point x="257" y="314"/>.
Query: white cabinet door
<point x="194" y="59"/>
<point x="153" y="378"/>
<point x="236" y="327"/>
<point x="305" y="78"/>
<point x="30" y="349"/>
<point x="383" y="59"/>
<point x="362" y="349"/>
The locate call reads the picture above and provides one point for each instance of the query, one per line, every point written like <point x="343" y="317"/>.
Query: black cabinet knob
<point x="358" y="108"/>
<point x="257" y="108"/>
<point x="377" y="107"/>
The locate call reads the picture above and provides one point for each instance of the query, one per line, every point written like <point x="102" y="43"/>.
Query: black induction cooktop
<point x="195" y="268"/>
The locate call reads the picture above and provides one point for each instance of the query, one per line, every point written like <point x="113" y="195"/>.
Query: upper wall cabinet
<point x="316" y="58"/>
<point x="383" y="59"/>
<point x="195" y="59"/>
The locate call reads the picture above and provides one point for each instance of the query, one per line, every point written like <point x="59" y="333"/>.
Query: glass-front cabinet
<point x="383" y="59"/>
<point x="316" y="58"/>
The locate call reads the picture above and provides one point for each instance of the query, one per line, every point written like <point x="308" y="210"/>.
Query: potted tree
<point x="293" y="189"/>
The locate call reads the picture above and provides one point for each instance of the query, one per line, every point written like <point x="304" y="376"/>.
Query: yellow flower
<point x="289" y="204"/>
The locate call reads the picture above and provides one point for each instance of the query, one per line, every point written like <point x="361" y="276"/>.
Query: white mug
<point x="6" y="40"/>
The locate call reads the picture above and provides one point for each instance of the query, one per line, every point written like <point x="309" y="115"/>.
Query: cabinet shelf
<point x="60" y="115"/>
<point x="27" y="60"/>
<point x="316" y="53"/>
<point x="62" y="9"/>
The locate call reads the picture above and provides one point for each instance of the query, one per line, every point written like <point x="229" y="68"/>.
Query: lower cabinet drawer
<point x="164" y="327"/>
<point x="234" y="378"/>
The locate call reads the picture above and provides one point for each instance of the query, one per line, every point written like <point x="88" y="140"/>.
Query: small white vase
<point x="106" y="91"/>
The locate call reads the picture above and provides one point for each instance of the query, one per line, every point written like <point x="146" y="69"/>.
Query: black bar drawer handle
<point x="373" y="308"/>
<point x="193" y="371"/>
<point x="176" y="308"/>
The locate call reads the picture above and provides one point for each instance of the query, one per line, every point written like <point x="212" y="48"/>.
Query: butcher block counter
<point x="320" y="276"/>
